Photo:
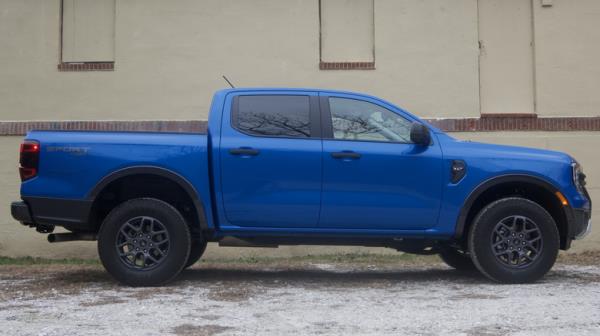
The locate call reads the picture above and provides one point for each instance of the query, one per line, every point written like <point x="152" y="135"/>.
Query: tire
<point x="196" y="251"/>
<point x="514" y="240"/>
<point x="144" y="242"/>
<point x="457" y="259"/>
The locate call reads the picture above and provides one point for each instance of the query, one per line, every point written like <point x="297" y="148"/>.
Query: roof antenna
<point x="228" y="82"/>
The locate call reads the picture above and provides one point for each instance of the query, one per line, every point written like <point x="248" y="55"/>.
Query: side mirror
<point x="419" y="134"/>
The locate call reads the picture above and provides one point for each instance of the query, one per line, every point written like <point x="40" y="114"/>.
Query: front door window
<point x="360" y="120"/>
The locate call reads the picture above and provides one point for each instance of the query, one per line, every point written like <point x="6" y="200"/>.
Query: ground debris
<point x="331" y="295"/>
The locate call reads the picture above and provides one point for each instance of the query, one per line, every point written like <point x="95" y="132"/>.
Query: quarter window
<point x="279" y="115"/>
<point x="360" y="120"/>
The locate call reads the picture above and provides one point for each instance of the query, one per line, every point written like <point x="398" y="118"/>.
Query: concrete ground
<point x="343" y="294"/>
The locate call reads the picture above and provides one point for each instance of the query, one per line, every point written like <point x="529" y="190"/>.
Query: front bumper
<point x="580" y="219"/>
<point x="581" y="224"/>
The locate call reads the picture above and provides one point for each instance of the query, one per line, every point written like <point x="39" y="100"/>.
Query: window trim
<point x="78" y="66"/>
<point x="313" y="116"/>
<point x="327" y="121"/>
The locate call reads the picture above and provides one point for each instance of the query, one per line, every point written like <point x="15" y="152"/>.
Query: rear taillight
<point x="29" y="159"/>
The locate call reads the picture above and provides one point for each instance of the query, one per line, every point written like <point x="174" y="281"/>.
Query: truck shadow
<point x="326" y="277"/>
<point x="204" y="276"/>
<point x="75" y="278"/>
<point x="234" y="283"/>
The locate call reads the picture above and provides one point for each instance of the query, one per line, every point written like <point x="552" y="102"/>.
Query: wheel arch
<point x="159" y="172"/>
<point x="531" y="187"/>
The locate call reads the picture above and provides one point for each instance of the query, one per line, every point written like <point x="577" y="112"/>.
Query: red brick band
<point x="347" y="65"/>
<point x="484" y="124"/>
<point x="87" y="66"/>
<point x="22" y="127"/>
<point x="493" y="123"/>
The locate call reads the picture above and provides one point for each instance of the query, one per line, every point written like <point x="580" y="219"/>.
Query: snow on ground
<point x="300" y="299"/>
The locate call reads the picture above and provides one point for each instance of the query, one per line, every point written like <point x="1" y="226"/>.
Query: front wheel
<point x="196" y="251"/>
<point x="514" y="240"/>
<point x="144" y="242"/>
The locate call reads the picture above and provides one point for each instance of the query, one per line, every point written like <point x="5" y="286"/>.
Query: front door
<point x="271" y="161"/>
<point x="373" y="176"/>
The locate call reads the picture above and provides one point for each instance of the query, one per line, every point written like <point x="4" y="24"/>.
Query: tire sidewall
<point x="179" y="242"/>
<point x="456" y="259"/>
<point x="196" y="251"/>
<point x="481" y="233"/>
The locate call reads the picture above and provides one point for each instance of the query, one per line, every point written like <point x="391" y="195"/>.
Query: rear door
<point x="373" y="176"/>
<point x="270" y="156"/>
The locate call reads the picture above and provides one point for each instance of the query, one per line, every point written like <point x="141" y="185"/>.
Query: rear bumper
<point x="20" y="211"/>
<point x="46" y="213"/>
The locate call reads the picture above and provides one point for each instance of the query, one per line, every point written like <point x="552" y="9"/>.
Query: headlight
<point x="578" y="176"/>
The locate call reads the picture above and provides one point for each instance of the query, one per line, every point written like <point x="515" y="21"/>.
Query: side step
<point x="70" y="236"/>
<point x="238" y="242"/>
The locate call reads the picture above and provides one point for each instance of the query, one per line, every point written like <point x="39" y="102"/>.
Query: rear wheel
<point x="144" y="242"/>
<point x="457" y="259"/>
<point x="514" y="240"/>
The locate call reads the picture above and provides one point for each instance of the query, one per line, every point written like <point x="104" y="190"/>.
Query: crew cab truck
<point x="302" y="166"/>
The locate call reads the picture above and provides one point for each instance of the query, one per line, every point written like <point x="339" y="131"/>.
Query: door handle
<point x="345" y="155"/>
<point x="244" y="151"/>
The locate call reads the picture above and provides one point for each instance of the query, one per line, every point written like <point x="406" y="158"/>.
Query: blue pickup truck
<point x="300" y="167"/>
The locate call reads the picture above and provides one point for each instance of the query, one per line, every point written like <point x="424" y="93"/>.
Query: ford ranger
<point x="300" y="167"/>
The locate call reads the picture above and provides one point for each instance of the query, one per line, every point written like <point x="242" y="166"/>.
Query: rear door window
<point x="273" y="115"/>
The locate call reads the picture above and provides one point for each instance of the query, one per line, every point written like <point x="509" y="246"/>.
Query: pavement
<point x="303" y="296"/>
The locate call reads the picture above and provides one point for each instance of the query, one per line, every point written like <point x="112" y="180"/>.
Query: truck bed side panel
<point x="73" y="163"/>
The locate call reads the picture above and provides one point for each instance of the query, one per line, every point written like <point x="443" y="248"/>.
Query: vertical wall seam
<point x="373" y="29"/>
<point x="479" y="45"/>
<point x="534" y="61"/>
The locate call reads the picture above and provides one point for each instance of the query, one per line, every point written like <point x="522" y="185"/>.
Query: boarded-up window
<point x="347" y="31"/>
<point x="506" y="56"/>
<point x="88" y="30"/>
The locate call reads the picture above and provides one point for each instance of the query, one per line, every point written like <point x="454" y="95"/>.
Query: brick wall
<point x="488" y="123"/>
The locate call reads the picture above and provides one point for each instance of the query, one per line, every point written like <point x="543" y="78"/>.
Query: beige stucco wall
<point x="18" y="240"/>
<point x="170" y="56"/>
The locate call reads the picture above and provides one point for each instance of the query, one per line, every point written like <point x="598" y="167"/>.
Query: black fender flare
<point x="461" y="221"/>
<point x="158" y="171"/>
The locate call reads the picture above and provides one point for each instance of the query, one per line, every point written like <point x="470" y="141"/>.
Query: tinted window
<point x="286" y="116"/>
<point x="359" y="120"/>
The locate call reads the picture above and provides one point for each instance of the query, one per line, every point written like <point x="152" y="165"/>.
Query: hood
<point x="453" y="147"/>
